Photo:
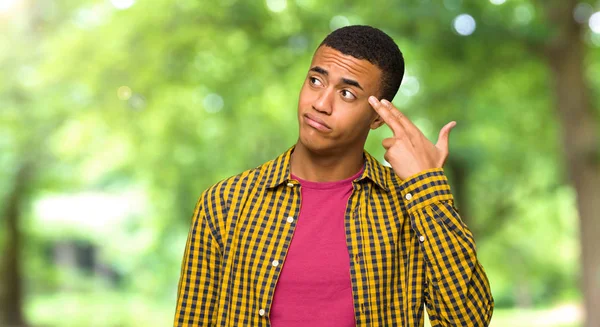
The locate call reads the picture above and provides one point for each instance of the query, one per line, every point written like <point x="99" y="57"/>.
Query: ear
<point x="377" y="122"/>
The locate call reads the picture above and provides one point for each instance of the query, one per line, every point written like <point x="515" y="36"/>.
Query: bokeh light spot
<point x="5" y="5"/>
<point x="594" y="22"/>
<point x="338" y="22"/>
<point x="524" y="14"/>
<point x="298" y="43"/>
<point x="213" y="103"/>
<point x="452" y="4"/>
<point x="464" y="24"/>
<point x="276" y="5"/>
<point x="582" y="12"/>
<point x="137" y="102"/>
<point x="122" y="4"/>
<point x="124" y="92"/>
<point x="410" y="86"/>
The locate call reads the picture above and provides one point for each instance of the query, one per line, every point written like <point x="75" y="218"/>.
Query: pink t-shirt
<point x="314" y="287"/>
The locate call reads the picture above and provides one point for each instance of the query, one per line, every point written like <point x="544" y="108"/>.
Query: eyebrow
<point x="348" y="81"/>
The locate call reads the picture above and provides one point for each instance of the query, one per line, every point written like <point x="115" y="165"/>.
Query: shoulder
<point x="229" y="190"/>
<point x="228" y="195"/>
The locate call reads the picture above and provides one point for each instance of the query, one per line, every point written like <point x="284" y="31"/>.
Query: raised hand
<point x="409" y="151"/>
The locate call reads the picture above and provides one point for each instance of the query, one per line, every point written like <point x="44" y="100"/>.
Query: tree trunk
<point x="11" y="303"/>
<point x="565" y="54"/>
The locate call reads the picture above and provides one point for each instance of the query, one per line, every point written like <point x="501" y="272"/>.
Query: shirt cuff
<point x="424" y="188"/>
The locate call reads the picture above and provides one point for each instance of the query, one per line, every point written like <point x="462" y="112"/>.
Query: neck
<point x="330" y="167"/>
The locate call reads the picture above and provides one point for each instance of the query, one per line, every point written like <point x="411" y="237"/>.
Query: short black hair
<point x="375" y="46"/>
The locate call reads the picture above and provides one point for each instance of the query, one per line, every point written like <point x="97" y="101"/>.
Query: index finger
<point x="408" y="125"/>
<point x="388" y="117"/>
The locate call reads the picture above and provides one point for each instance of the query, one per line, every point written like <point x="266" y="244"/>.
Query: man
<point x="324" y="235"/>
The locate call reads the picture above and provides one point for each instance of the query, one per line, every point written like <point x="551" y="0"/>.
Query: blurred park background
<point x="115" y="116"/>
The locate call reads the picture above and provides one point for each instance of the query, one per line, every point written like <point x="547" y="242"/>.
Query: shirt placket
<point x="289" y="218"/>
<point x="354" y="241"/>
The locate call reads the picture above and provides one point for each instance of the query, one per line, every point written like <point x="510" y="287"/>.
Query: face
<point x="333" y="109"/>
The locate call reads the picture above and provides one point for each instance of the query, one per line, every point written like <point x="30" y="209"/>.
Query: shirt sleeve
<point x="200" y="274"/>
<point x="457" y="291"/>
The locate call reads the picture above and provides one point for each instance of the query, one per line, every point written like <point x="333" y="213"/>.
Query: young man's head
<point x="351" y="64"/>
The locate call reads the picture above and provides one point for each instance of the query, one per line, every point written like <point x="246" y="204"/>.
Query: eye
<point x="314" y="81"/>
<point x="348" y="95"/>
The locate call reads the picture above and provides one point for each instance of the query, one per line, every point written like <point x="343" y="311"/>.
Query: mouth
<point x="316" y="123"/>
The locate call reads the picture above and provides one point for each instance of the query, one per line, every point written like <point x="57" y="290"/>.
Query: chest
<point x="369" y="222"/>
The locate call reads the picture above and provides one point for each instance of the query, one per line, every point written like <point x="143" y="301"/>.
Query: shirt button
<point x="275" y="263"/>
<point x="290" y="219"/>
<point x="261" y="312"/>
<point x="290" y="184"/>
<point x="422" y="238"/>
<point x="408" y="196"/>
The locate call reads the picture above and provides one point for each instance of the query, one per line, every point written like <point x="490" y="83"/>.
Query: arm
<point x="200" y="273"/>
<point x="458" y="292"/>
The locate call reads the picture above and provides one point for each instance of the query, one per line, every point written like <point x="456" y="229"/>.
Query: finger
<point x="404" y="121"/>
<point x="383" y="110"/>
<point x="388" y="142"/>
<point x="389" y="106"/>
<point x="410" y="130"/>
<point x="386" y="115"/>
<point x="443" y="138"/>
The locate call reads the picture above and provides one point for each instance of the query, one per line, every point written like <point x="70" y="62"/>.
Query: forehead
<point x="340" y="65"/>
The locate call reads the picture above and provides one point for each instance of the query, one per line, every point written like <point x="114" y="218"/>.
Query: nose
<point x="323" y="103"/>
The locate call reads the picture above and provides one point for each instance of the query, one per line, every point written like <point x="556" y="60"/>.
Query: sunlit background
<point x="115" y="116"/>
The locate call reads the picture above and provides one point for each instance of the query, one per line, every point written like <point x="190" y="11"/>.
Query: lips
<point x="316" y="123"/>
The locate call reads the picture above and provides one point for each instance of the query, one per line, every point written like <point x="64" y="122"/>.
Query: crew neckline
<point x="328" y="185"/>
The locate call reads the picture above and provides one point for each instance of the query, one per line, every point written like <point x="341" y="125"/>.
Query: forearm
<point x="458" y="291"/>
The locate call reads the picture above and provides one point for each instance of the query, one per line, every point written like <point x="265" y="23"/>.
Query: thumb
<point x="442" y="142"/>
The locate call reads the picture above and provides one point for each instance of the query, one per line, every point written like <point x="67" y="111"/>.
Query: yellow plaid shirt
<point x="406" y="242"/>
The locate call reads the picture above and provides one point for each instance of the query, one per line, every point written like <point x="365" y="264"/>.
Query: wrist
<point x="426" y="187"/>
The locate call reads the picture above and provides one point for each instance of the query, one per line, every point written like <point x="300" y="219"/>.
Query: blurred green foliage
<point x="127" y="115"/>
